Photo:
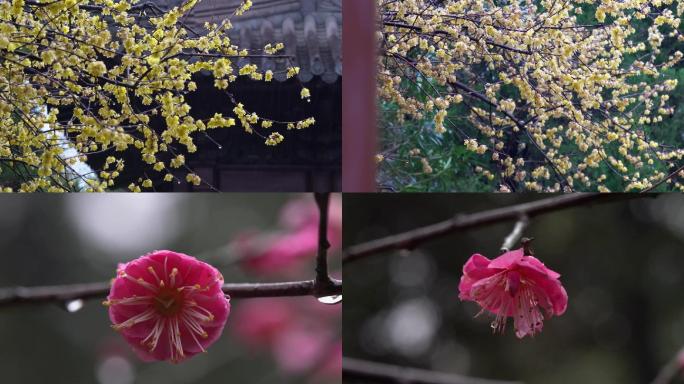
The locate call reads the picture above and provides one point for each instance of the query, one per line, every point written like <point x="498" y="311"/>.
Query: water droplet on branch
<point x="330" y="300"/>
<point x="73" y="305"/>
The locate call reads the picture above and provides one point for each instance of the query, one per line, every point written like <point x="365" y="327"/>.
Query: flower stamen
<point x="133" y="300"/>
<point x="139" y="318"/>
<point x="154" y="335"/>
<point x="154" y="273"/>
<point x="172" y="277"/>
<point x="141" y="282"/>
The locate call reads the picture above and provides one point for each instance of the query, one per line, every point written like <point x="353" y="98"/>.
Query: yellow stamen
<point x="174" y="272"/>
<point x="154" y="273"/>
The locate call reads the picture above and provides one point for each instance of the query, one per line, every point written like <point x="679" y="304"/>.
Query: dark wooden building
<point x="309" y="159"/>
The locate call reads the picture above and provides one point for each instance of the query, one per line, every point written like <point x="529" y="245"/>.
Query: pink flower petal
<point x="508" y="259"/>
<point x="477" y="267"/>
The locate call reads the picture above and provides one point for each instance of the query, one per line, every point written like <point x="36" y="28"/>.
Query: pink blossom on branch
<point x="284" y="251"/>
<point x="299" y="332"/>
<point x="513" y="285"/>
<point x="261" y="322"/>
<point x="168" y="305"/>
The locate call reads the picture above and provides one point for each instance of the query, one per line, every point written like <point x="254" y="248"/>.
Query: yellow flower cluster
<point x="82" y="77"/>
<point x="274" y="138"/>
<point x="427" y="169"/>
<point x="554" y="101"/>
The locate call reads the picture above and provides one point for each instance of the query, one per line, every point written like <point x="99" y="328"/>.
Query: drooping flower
<point x="513" y="285"/>
<point x="168" y="305"/>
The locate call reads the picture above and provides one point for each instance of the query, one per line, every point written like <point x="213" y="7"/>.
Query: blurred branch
<point x="62" y="293"/>
<point x="514" y="236"/>
<point x="385" y="373"/>
<point x="411" y="239"/>
<point x="671" y="369"/>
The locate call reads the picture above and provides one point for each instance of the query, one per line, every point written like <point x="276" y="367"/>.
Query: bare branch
<point x="386" y="373"/>
<point x="668" y="177"/>
<point x="62" y="293"/>
<point x="322" y="201"/>
<point x="411" y="239"/>
<point x="323" y="280"/>
<point x="516" y="233"/>
<point x="322" y="285"/>
<point x="670" y="370"/>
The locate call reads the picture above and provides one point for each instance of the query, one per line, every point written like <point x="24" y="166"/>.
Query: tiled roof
<point x="310" y="29"/>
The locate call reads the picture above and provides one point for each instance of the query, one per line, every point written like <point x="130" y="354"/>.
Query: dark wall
<point x="306" y="160"/>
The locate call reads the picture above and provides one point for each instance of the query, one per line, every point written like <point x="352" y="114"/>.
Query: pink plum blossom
<point x="259" y="323"/>
<point x="298" y="333"/>
<point x="513" y="285"/>
<point x="167" y="305"/>
<point x="680" y="361"/>
<point x="297" y="241"/>
<point x="309" y="346"/>
<point x="303" y="212"/>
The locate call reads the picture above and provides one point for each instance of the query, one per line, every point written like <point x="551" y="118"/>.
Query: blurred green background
<point x="51" y="239"/>
<point x="622" y="264"/>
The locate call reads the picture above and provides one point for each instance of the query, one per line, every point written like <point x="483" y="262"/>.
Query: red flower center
<point x="168" y="301"/>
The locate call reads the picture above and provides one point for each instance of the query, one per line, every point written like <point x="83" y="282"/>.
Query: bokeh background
<point x="50" y="239"/>
<point x="622" y="264"/>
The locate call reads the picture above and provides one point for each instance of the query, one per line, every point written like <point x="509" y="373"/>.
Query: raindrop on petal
<point x="333" y="299"/>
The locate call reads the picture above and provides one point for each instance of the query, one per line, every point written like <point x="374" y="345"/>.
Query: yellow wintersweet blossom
<point x="427" y="169"/>
<point x="546" y="102"/>
<point x="100" y="77"/>
<point x="274" y="139"/>
<point x="193" y="179"/>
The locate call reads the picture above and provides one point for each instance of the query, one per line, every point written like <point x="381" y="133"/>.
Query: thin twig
<point x="670" y="370"/>
<point x="411" y="239"/>
<point x="386" y="373"/>
<point x="668" y="177"/>
<point x="323" y="279"/>
<point x="322" y="201"/>
<point x="62" y="293"/>
<point x="516" y="233"/>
